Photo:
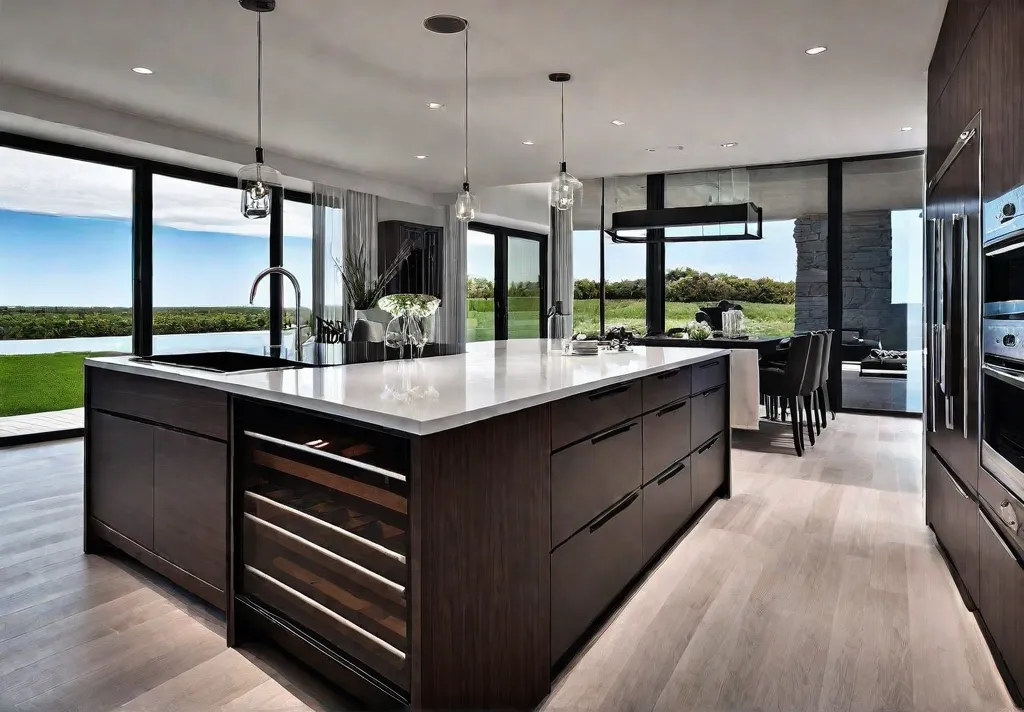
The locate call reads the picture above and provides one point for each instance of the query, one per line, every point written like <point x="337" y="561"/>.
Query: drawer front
<point x="193" y="408"/>
<point x="664" y="388"/>
<point x="709" y="374"/>
<point x="592" y="568"/>
<point x="1001" y="598"/>
<point x="666" y="506"/>
<point x="1009" y="510"/>
<point x="710" y="410"/>
<point x="953" y="515"/>
<point x="581" y="416"/>
<point x="709" y="463"/>
<point x="666" y="437"/>
<point x="590" y="476"/>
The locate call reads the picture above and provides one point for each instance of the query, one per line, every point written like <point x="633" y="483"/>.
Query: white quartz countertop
<point x="429" y="395"/>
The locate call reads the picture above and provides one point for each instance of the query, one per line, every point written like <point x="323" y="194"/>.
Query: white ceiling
<point x="347" y="80"/>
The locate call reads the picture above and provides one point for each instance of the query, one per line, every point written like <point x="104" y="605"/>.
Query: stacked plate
<point x="585" y="348"/>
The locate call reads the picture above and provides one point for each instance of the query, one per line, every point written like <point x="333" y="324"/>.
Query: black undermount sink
<point x="222" y="361"/>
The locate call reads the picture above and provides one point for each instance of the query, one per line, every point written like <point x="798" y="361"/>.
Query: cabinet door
<point x="953" y="515"/>
<point x="666" y="504"/>
<point x="708" y="470"/>
<point x="121" y="476"/>
<point x="190" y="521"/>
<point x="591" y="569"/>
<point x="1001" y="598"/>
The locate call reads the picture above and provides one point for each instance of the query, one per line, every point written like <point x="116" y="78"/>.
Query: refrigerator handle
<point x="931" y="317"/>
<point x="964" y="240"/>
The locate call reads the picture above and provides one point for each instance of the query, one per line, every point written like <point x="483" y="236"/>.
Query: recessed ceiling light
<point x="527" y="143"/>
<point x="434" y="106"/>
<point x="618" y="122"/>
<point x="650" y="150"/>
<point x="815" y="50"/>
<point x="142" y="70"/>
<point x="679" y="148"/>
<point x="422" y="157"/>
<point x="906" y="128"/>
<point x="730" y="144"/>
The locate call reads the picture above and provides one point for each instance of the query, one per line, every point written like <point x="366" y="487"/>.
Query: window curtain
<point x="560" y="249"/>
<point x="451" y="316"/>
<point x="328" y="243"/>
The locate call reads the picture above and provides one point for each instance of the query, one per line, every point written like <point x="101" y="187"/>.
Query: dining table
<point x="744" y="371"/>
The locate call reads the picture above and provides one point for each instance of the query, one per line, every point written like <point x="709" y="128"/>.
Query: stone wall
<point x="867" y="275"/>
<point x="811" y="236"/>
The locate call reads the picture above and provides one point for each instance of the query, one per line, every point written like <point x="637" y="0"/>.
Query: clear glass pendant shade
<point x="255" y="181"/>
<point x="466" y="205"/>
<point x="563" y="190"/>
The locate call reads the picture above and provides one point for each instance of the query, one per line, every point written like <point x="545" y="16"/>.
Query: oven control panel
<point x="1004" y="216"/>
<point x="1004" y="338"/>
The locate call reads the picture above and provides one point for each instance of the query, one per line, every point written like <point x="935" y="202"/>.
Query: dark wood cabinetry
<point x="158" y="493"/>
<point x="422" y="272"/>
<point x="581" y="416"/>
<point x="951" y="512"/>
<point x="668" y="502"/>
<point x="709" y="469"/>
<point x="588" y="476"/>
<point x="190" y="496"/>
<point x="121" y="476"/>
<point x="590" y="570"/>
<point x="1001" y="600"/>
<point x="666" y="435"/>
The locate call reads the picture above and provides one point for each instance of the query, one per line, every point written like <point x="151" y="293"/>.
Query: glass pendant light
<point x="564" y="186"/>
<point x="466" y="204"/>
<point x="256" y="179"/>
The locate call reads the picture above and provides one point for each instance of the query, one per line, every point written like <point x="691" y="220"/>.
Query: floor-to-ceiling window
<point x="625" y="265"/>
<point x="480" y="259"/>
<point x="65" y="276"/>
<point x="780" y="280"/>
<point x="205" y="256"/>
<point x="882" y="278"/>
<point x="298" y="259"/>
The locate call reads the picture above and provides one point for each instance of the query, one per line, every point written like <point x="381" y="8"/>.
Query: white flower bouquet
<point x="414" y="305"/>
<point x="699" y="331"/>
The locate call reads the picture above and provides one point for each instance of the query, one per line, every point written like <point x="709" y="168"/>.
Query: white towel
<point x="745" y="389"/>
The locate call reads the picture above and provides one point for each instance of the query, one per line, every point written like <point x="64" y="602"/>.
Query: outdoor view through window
<point x="66" y="272"/>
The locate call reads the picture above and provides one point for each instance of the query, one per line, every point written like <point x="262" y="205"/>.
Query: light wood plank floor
<point x="817" y="587"/>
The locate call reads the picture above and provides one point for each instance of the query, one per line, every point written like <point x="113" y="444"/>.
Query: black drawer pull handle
<point x="610" y="392"/>
<point x="670" y="374"/>
<point x="1000" y="539"/>
<point x="709" y="364"/>
<point x="614" y="512"/>
<point x="671" y="408"/>
<point x="612" y="433"/>
<point x="675" y="471"/>
<point x="709" y="444"/>
<point x="716" y="389"/>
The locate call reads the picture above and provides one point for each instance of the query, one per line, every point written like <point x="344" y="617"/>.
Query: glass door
<point x="506" y="289"/>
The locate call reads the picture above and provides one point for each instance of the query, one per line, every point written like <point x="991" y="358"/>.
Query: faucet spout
<point x="298" y="301"/>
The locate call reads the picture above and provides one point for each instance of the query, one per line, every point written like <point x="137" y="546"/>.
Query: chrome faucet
<point x="298" y="300"/>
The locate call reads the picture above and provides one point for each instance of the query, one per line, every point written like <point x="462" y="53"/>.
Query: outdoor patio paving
<point x="36" y="423"/>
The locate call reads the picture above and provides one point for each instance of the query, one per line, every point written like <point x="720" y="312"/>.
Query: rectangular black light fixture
<point x="744" y="214"/>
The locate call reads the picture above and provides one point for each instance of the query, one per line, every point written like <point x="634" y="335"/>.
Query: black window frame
<point x="501" y="237"/>
<point x="143" y="170"/>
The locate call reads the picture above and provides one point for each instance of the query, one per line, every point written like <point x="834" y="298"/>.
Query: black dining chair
<point x="812" y="383"/>
<point x="787" y="384"/>
<point x="821" y="395"/>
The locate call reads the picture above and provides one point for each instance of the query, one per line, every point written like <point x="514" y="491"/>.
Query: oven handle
<point x="965" y="246"/>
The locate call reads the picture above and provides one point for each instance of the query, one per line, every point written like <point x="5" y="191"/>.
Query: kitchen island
<point x="441" y="532"/>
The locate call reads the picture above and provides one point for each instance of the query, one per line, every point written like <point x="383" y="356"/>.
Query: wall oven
<point x="1002" y="451"/>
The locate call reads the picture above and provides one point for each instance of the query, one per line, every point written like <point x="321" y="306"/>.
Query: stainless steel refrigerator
<point x="953" y="296"/>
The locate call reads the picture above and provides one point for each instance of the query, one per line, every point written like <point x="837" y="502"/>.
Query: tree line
<point x="682" y="284"/>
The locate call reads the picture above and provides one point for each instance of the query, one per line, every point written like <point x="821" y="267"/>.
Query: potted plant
<point x="362" y="291"/>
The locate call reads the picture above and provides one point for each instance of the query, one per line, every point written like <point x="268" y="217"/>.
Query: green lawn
<point x="761" y="319"/>
<point x="41" y="382"/>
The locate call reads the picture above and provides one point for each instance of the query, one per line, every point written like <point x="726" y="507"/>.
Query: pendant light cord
<point x="465" y="174"/>
<point x="259" y="81"/>
<point x="561" y="86"/>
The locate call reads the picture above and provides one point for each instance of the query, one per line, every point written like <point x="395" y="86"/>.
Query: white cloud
<point x="32" y="182"/>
